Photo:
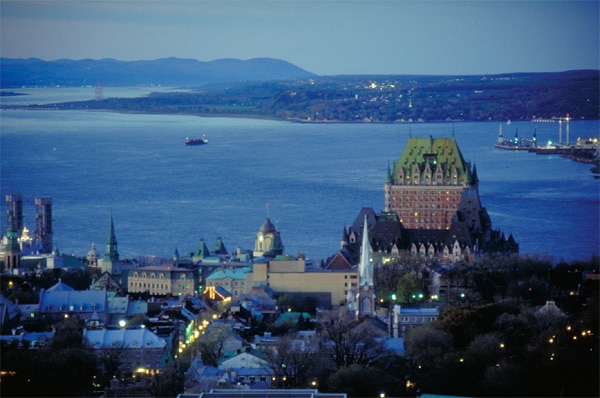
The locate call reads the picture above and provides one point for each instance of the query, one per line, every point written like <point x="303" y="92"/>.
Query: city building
<point x="138" y="349"/>
<point x="405" y="318"/>
<point x="268" y="241"/>
<point x="163" y="280"/>
<point x="284" y="273"/>
<point x="14" y="209"/>
<point x="43" y="223"/>
<point x="111" y="262"/>
<point x="61" y="300"/>
<point x="17" y="242"/>
<point x="434" y="193"/>
<point x="236" y="280"/>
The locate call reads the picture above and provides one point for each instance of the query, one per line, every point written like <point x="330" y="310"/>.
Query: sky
<point x="325" y="37"/>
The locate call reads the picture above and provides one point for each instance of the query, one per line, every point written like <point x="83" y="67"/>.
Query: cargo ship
<point x="197" y="141"/>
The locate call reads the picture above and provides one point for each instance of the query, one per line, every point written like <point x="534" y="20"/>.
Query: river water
<point x="311" y="179"/>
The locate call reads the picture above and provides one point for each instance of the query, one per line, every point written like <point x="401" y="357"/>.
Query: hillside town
<point x="422" y="297"/>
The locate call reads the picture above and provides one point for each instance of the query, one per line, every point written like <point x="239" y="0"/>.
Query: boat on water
<point x="516" y="144"/>
<point x="196" y="141"/>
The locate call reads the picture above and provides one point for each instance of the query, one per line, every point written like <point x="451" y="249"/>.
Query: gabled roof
<point x="219" y="247"/>
<point x="123" y="338"/>
<point x="339" y="263"/>
<point x="202" y="251"/>
<point x="358" y="224"/>
<point x="60" y="287"/>
<point x="106" y="281"/>
<point x="250" y="359"/>
<point x="9" y="308"/>
<point x="79" y="300"/>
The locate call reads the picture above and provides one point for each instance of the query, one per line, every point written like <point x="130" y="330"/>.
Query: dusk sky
<point x="323" y="37"/>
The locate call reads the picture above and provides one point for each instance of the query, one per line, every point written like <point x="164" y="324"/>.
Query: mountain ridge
<point x="170" y="71"/>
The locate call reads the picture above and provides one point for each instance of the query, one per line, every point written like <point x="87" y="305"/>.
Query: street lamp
<point x="122" y="323"/>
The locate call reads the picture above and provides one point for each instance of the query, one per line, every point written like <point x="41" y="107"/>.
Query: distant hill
<point x="165" y="72"/>
<point x="383" y="99"/>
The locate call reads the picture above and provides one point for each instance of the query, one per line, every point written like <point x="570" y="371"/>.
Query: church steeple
<point x="365" y="266"/>
<point x="111" y="254"/>
<point x="366" y="291"/>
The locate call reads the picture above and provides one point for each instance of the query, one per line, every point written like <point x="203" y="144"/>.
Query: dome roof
<point x="267" y="227"/>
<point x="92" y="254"/>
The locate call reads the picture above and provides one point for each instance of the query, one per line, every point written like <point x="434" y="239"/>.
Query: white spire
<point x="365" y="266"/>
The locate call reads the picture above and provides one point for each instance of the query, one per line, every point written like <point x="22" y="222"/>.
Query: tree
<point x="408" y="286"/>
<point x="42" y="372"/>
<point x="347" y="341"/>
<point x="432" y="355"/>
<point x="291" y="362"/>
<point x="212" y="342"/>
<point x="168" y="383"/>
<point x="361" y="381"/>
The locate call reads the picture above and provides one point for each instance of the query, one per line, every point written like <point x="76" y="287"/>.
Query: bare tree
<point x="291" y="362"/>
<point x="212" y="343"/>
<point x="348" y="341"/>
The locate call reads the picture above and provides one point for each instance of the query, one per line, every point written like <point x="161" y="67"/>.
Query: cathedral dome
<point x="92" y="255"/>
<point x="267" y="227"/>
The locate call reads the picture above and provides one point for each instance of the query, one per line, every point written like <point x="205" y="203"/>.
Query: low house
<point x="62" y="300"/>
<point x="28" y="340"/>
<point x="234" y="280"/>
<point x="248" y="366"/>
<point x="137" y="348"/>
<point x="406" y="318"/>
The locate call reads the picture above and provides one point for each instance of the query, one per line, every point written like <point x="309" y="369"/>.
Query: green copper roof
<point x="237" y="273"/>
<point x="433" y="151"/>
<point x="201" y="251"/>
